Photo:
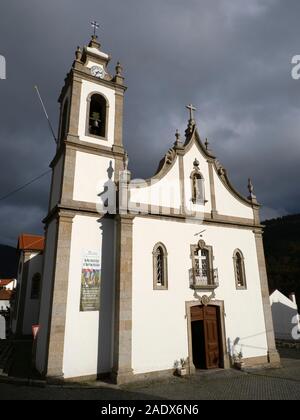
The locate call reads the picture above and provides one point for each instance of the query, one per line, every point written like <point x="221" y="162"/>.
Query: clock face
<point x="98" y="71"/>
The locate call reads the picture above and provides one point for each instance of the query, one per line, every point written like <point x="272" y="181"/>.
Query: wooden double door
<point x="205" y="329"/>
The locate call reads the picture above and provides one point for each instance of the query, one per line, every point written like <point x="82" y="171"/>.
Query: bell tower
<point x="89" y="155"/>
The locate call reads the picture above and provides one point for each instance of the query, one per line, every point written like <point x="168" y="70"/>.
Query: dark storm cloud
<point x="231" y="58"/>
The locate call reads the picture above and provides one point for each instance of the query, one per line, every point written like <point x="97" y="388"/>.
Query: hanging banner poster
<point x="90" y="282"/>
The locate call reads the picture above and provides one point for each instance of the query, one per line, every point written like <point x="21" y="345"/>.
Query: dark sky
<point x="231" y="58"/>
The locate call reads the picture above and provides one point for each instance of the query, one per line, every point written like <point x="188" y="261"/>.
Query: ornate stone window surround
<point x="88" y="100"/>
<point x="194" y="250"/>
<point x="242" y="286"/>
<point x="164" y="283"/>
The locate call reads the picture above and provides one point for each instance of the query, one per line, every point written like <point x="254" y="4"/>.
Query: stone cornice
<point x="79" y="207"/>
<point x="84" y="73"/>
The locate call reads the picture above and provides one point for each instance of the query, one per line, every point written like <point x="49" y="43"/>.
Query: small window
<point x="97" y="116"/>
<point x="239" y="269"/>
<point x="35" y="286"/>
<point x="160" y="267"/>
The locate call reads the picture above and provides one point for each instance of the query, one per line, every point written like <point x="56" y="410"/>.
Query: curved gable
<point x="163" y="190"/>
<point x="228" y="201"/>
<point x="171" y="187"/>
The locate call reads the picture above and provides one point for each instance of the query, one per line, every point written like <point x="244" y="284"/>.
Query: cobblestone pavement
<point x="270" y="384"/>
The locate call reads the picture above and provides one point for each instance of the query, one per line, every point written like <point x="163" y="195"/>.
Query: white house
<point x="285" y="316"/>
<point x="5" y="297"/>
<point x="26" y="305"/>
<point x="139" y="274"/>
<point x="8" y="284"/>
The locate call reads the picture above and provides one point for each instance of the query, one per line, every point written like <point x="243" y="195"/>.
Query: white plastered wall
<point x="88" y="335"/>
<point x="46" y="296"/>
<point x="86" y="89"/>
<point x="227" y="204"/>
<point x="31" y="308"/>
<point x="159" y="319"/>
<point x="4" y="304"/>
<point x="91" y="175"/>
<point x="164" y="192"/>
<point x="285" y="316"/>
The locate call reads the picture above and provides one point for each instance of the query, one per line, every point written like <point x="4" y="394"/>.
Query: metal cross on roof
<point x="191" y="108"/>
<point x="95" y="26"/>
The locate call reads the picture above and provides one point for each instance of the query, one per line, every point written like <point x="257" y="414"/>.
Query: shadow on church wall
<point x="106" y="312"/>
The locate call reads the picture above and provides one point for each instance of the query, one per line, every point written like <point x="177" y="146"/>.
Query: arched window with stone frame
<point x="97" y="116"/>
<point x="239" y="270"/>
<point x="160" y="267"/>
<point x="203" y="275"/>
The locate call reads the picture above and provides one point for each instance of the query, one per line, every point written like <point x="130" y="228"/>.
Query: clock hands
<point x="98" y="71"/>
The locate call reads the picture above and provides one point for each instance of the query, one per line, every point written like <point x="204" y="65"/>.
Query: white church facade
<point x="140" y="274"/>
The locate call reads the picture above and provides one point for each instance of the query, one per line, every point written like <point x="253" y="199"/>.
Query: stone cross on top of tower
<point x="95" y="26"/>
<point x="191" y="108"/>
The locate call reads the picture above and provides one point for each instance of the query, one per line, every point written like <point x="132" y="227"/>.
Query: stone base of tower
<point x="122" y="377"/>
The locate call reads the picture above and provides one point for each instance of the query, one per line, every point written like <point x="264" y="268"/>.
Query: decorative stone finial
<point x="178" y="142"/>
<point x="119" y="69"/>
<point x="196" y="164"/>
<point x="252" y="196"/>
<point x="206" y="144"/>
<point x="94" y="43"/>
<point x="78" y="54"/>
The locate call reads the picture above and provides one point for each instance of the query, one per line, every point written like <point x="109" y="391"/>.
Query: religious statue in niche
<point x="198" y="194"/>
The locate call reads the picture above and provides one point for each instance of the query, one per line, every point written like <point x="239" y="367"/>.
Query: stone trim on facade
<point x="256" y="361"/>
<point x="212" y="190"/>
<point x="193" y="138"/>
<point x="122" y="360"/>
<point x="74" y="106"/>
<point x="68" y="175"/>
<point x="60" y="294"/>
<point x="118" y="133"/>
<point x="182" y="184"/>
<point x="198" y="247"/>
<point x="87" y="117"/>
<point x="223" y="345"/>
<point x="95" y="149"/>
<point x="273" y="356"/>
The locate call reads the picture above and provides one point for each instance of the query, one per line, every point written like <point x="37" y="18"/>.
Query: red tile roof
<point x="31" y="242"/>
<point x="5" y="294"/>
<point x="5" y="282"/>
